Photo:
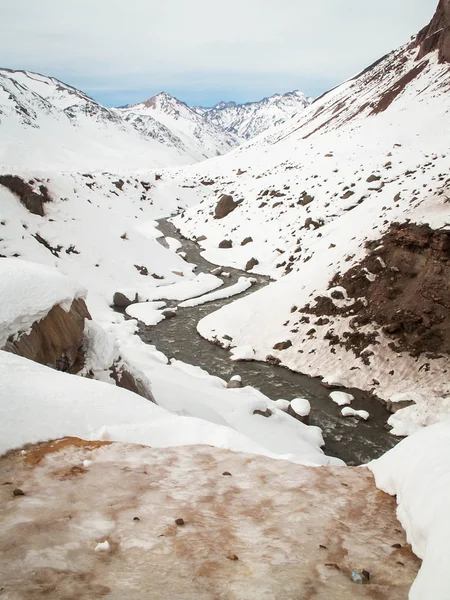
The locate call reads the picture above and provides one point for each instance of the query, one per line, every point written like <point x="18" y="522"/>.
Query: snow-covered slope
<point x="316" y="197"/>
<point x="204" y="138"/>
<point x="252" y="118"/>
<point x="46" y="124"/>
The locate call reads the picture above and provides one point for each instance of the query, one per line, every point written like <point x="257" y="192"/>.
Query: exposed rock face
<point x="126" y="380"/>
<point x="56" y="340"/>
<point x="436" y="35"/>
<point x="32" y="201"/>
<point x="301" y="542"/>
<point x="224" y="207"/>
<point x="403" y="285"/>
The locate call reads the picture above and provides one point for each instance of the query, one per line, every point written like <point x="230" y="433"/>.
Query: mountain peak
<point x="436" y="35"/>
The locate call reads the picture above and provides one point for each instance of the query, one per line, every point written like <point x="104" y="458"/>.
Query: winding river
<point x="352" y="440"/>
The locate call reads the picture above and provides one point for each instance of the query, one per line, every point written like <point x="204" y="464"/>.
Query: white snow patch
<point x="417" y="471"/>
<point x="351" y="412"/>
<point x="341" y="398"/>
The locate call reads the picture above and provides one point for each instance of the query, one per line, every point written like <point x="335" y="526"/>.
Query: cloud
<point x="150" y="45"/>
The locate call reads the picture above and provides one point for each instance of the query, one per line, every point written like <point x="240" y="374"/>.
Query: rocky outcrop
<point x="402" y="287"/>
<point x="56" y="340"/>
<point x="226" y="244"/>
<point x="125" y="379"/>
<point x="32" y="200"/>
<point x="436" y="35"/>
<point x="225" y="206"/>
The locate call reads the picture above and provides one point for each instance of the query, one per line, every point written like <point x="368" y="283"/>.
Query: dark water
<point x="353" y="441"/>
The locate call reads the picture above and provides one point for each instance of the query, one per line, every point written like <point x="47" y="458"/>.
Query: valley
<point x="225" y="336"/>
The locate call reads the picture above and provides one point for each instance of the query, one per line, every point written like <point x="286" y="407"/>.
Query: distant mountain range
<point x="252" y="118"/>
<point x="45" y="123"/>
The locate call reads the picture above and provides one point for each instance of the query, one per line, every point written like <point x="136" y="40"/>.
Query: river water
<point x="353" y="441"/>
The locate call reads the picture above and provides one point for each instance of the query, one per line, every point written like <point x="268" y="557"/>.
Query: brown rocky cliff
<point x="436" y="35"/>
<point x="56" y="340"/>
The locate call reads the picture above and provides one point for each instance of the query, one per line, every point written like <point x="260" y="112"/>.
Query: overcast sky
<point x="203" y="51"/>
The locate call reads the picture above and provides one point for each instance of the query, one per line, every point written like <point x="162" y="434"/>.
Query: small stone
<point x="136" y="519"/>
<point x="18" y="492"/>
<point x="396" y="546"/>
<point x="103" y="547"/>
<point x="179" y="522"/>
<point x="226" y="473"/>
<point x="232" y="557"/>
<point x="322" y="546"/>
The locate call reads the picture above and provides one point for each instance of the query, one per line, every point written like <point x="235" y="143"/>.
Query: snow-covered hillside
<point x="206" y="139"/>
<point x="46" y="124"/>
<point x="252" y="118"/>
<point x="356" y="296"/>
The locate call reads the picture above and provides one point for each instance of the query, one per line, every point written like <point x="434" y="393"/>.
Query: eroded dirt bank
<point x="253" y="528"/>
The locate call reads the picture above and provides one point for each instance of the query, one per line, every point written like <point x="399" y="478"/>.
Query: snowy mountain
<point x="347" y="206"/>
<point x="46" y="124"/>
<point x="204" y="137"/>
<point x="252" y="118"/>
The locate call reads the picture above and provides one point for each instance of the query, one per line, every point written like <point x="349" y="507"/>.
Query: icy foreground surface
<point x="418" y="472"/>
<point x="268" y="529"/>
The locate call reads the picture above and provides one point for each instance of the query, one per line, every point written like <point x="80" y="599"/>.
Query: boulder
<point x="56" y="340"/>
<point x="125" y="379"/>
<point x="226" y="244"/>
<point x="251" y="263"/>
<point x="283" y="345"/>
<point x="235" y="382"/>
<point x="122" y="301"/>
<point x="247" y="240"/>
<point x="225" y="206"/>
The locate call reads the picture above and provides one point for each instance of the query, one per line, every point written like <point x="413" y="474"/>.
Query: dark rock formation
<point x="32" y="201"/>
<point x="122" y="301"/>
<point x="226" y="244"/>
<point x="246" y="241"/>
<point x="126" y="380"/>
<point x="225" y="206"/>
<point x="56" y="340"/>
<point x="251" y="263"/>
<point x="436" y="35"/>
<point x="409" y="297"/>
<point x="234" y="383"/>
<point x="283" y="345"/>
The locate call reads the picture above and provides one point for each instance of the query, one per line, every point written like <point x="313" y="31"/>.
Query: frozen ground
<point x="253" y="528"/>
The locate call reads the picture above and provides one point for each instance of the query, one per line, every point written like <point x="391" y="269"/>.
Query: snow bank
<point x="38" y="403"/>
<point x="242" y="284"/>
<point x="147" y="312"/>
<point x="28" y="291"/>
<point x="418" y="472"/>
